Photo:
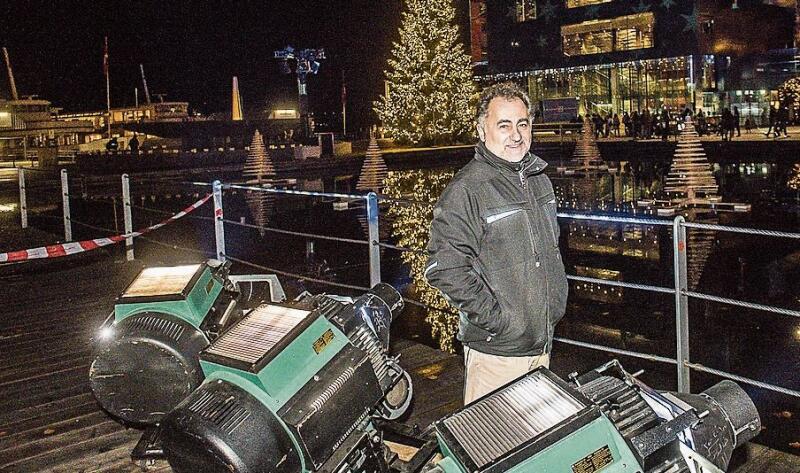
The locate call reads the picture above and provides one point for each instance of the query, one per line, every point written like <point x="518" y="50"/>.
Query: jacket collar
<point x="529" y="165"/>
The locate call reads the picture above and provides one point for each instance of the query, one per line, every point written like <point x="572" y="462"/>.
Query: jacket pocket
<point x="508" y="237"/>
<point x="467" y="332"/>
<point x="547" y="206"/>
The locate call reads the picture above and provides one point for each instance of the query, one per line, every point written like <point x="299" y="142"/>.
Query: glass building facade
<point x="623" y="33"/>
<point x="608" y="56"/>
<point x="624" y="86"/>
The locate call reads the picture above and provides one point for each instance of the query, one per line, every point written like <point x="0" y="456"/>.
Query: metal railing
<point x="679" y="290"/>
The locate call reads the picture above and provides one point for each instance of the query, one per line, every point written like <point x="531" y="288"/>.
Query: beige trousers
<point x="484" y="372"/>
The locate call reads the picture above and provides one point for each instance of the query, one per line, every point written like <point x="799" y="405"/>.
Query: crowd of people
<point x="644" y="125"/>
<point x="663" y="123"/>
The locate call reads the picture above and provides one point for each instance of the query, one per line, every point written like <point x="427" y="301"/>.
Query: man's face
<point x="506" y="132"/>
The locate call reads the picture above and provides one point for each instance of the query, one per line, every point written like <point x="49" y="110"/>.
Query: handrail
<point x="608" y="218"/>
<point x="608" y="282"/>
<point x="679" y="225"/>
<point x="681" y="293"/>
<point x="294" y="192"/>
<point x="289" y="232"/>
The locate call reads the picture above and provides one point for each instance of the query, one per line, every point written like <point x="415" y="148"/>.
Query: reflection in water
<point x="603" y="250"/>
<point x="586" y="157"/>
<point x="262" y="207"/>
<point x="259" y="171"/>
<point x="638" y="241"/>
<point x="372" y="179"/>
<point x="412" y="219"/>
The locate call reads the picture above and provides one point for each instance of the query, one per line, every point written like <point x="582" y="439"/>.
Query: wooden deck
<point x="49" y="420"/>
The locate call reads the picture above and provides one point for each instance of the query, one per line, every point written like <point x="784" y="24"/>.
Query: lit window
<point x="526" y="10"/>
<point x="623" y="33"/>
<point x="583" y="3"/>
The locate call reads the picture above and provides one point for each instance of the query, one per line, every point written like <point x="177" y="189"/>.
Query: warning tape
<point x="64" y="249"/>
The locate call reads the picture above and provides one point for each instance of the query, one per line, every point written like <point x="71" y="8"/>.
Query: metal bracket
<point x="276" y="293"/>
<point x="648" y="442"/>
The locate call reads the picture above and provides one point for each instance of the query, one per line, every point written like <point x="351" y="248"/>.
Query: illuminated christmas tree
<point x="794" y="181"/>
<point x="411" y="227"/>
<point x="789" y="92"/>
<point x="259" y="165"/>
<point x="373" y="171"/>
<point x="258" y="169"/>
<point x="794" y="178"/>
<point x="690" y="173"/>
<point x="429" y="79"/>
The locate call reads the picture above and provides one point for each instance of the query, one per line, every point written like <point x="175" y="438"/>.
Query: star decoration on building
<point x="667" y="3"/>
<point x="593" y="11"/>
<point x="691" y="21"/>
<point x="548" y="11"/>
<point x="641" y="7"/>
<point x="541" y="41"/>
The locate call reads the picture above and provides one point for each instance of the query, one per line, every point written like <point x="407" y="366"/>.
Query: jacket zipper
<point x="524" y="182"/>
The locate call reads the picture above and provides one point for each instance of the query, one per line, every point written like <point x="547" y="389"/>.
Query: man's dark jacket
<point x="493" y="253"/>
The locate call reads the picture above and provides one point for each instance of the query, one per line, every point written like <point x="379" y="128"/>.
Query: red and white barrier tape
<point x="54" y="251"/>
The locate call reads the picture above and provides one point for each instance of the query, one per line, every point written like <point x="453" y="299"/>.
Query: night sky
<point x="190" y="50"/>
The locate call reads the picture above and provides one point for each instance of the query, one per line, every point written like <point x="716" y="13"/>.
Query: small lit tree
<point x="429" y="80"/>
<point x="789" y="94"/>
<point x="794" y="180"/>
<point x="411" y="226"/>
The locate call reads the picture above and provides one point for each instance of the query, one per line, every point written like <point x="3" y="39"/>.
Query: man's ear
<point x="481" y="132"/>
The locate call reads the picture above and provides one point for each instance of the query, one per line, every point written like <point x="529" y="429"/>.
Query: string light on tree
<point x="259" y="170"/>
<point x="429" y="80"/>
<point x="789" y="94"/>
<point x="411" y="227"/>
<point x="794" y="180"/>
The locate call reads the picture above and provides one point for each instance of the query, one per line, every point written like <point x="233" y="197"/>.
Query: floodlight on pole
<point x="306" y="62"/>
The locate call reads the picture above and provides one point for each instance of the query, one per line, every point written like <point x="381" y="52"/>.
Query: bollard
<point x="219" y="224"/>
<point x="23" y="201"/>
<point x="126" y="213"/>
<point x="65" y="200"/>
<point x="681" y="304"/>
<point x="374" y="240"/>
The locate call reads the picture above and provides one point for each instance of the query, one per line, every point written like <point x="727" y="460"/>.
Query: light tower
<point x="306" y="62"/>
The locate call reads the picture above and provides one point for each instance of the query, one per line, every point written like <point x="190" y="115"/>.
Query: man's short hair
<point x="506" y="90"/>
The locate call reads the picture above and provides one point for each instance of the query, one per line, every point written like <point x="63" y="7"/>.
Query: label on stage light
<point x="323" y="341"/>
<point x="596" y="461"/>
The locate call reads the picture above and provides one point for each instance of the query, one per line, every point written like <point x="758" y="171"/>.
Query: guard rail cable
<point x="680" y="291"/>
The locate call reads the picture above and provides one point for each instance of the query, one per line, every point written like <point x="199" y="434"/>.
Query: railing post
<point x="65" y="200"/>
<point x="23" y="201"/>
<point x="219" y="224"/>
<point x="126" y="214"/>
<point x="681" y="303"/>
<point x="374" y="239"/>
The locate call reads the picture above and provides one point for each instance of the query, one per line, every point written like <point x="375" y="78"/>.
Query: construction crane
<point x="11" y="82"/>
<point x="144" y="83"/>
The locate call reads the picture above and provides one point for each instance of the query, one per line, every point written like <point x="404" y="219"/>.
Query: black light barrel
<point x="149" y="366"/>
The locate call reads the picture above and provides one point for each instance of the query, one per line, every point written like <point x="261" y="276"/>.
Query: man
<point x="133" y="144"/>
<point x="493" y="249"/>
